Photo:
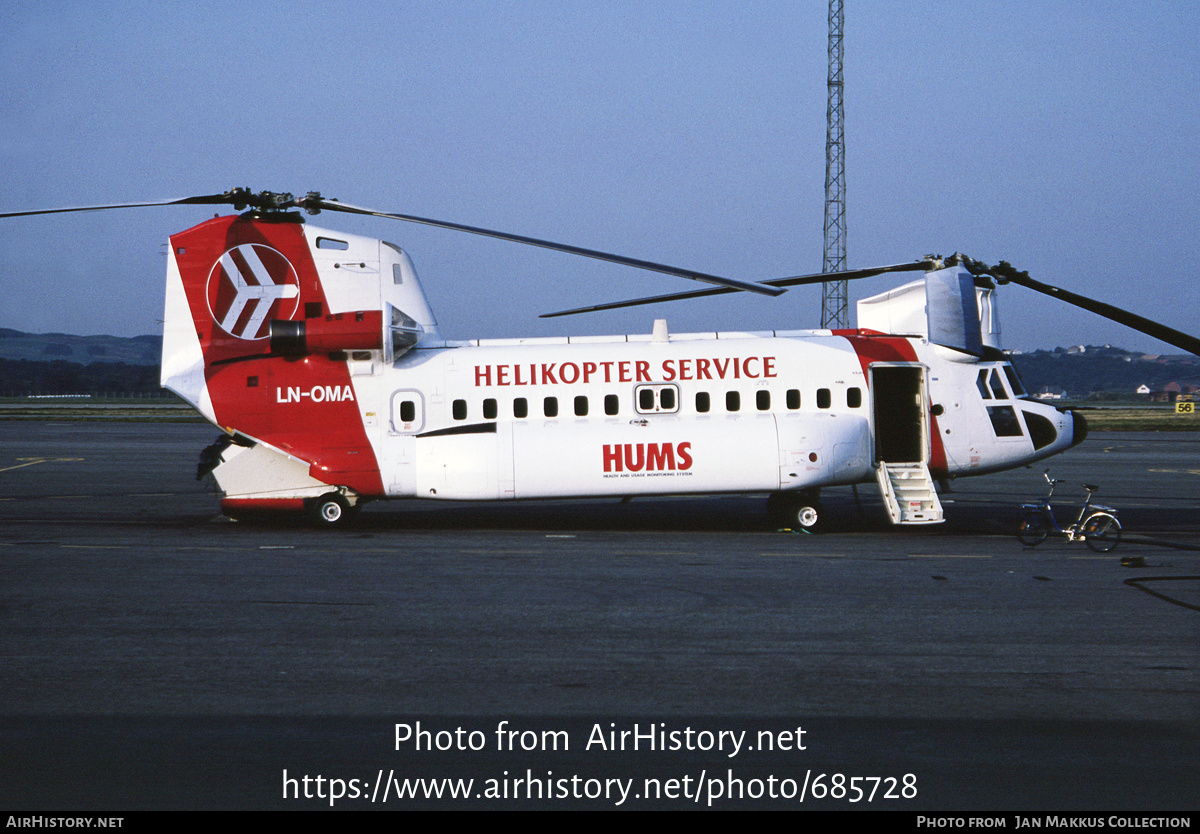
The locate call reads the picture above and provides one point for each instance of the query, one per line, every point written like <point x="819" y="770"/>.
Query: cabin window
<point x="824" y="398"/>
<point x="458" y="409"/>
<point x="656" y="399"/>
<point x="397" y="274"/>
<point x="489" y="409"/>
<point x="733" y="401"/>
<point x="520" y="408"/>
<point x="407" y="412"/>
<point x="550" y="406"/>
<point x="702" y="402"/>
<point x="612" y="404"/>
<point x="332" y="243"/>
<point x="762" y="400"/>
<point x="854" y="397"/>
<point x="581" y="406"/>
<point x="793" y="399"/>
<point x="313" y="310"/>
<point x="251" y="382"/>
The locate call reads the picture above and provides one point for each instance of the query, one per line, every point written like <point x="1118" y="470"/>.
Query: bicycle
<point x="1097" y="525"/>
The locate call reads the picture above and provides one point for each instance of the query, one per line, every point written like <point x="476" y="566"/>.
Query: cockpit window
<point x="1004" y="421"/>
<point x="1014" y="381"/>
<point x="997" y="385"/>
<point x="981" y="384"/>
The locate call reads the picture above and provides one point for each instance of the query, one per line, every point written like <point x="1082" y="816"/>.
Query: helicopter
<point x="317" y="355"/>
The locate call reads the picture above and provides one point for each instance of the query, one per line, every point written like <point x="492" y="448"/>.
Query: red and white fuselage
<point x="319" y="353"/>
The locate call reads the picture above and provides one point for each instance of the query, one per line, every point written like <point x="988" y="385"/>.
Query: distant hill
<point x="1102" y="370"/>
<point x="59" y="363"/>
<point x="39" y="347"/>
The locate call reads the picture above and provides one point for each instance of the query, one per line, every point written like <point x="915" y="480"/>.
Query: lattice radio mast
<point x="834" y="293"/>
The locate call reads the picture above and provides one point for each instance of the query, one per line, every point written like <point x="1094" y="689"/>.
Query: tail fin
<point x="268" y="322"/>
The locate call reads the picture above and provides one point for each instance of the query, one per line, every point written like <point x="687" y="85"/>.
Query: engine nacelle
<point x="361" y="330"/>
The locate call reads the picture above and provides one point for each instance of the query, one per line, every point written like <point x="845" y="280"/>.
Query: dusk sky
<point x="1059" y="136"/>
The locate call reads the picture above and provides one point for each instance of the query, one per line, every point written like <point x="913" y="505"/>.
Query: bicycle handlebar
<point x="1053" y="481"/>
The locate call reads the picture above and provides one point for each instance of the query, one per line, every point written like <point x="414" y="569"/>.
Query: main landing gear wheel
<point x="796" y="511"/>
<point x="806" y="517"/>
<point x="331" y="510"/>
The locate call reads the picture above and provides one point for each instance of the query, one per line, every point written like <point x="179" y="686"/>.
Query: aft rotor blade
<point x="212" y="199"/>
<point x="636" y="302"/>
<point x="317" y="203"/>
<point x="1183" y="341"/>
<point x="797" y="280"/>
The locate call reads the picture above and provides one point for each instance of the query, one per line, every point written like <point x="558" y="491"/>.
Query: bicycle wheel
<point x="1033" y="529"/>
<point x="1102" y="532"/>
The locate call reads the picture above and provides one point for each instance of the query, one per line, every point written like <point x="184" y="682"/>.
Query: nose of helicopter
<point x="1079" y="427"/>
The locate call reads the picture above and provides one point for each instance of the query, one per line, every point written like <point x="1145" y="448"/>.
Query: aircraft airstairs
<point x="908" y="493"/>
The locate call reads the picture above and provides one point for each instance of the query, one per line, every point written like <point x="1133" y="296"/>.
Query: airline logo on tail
<point x="249" y="286"/>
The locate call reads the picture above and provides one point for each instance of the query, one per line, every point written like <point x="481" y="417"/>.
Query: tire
<point x="1033" y="530"/>
<point x="331" y="510"/>
<point x="807" y="518"/>
<point x="794" y="510"/>
<point x="1102" y="532"/>
<point x="778" y="508"/>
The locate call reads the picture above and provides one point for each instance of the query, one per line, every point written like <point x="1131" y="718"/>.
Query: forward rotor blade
<point x="851" y="274"/>
<point x="797" y="280"/>
<point x="314" y="203"/>
<point x="1006" y="273"/>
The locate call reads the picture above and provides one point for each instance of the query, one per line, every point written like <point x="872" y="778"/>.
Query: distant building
<point x="1171" y="392"/>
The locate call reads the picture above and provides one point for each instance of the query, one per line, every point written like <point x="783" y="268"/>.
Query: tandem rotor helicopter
<point x="318" y="356"/>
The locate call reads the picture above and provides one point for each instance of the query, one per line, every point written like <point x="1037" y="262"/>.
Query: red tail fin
<point x="252" y="342"/>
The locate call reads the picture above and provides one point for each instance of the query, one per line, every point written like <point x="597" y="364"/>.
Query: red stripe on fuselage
<point x="870" y="349"/>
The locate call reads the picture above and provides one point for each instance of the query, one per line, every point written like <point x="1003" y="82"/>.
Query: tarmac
<point x="660" y="653"/>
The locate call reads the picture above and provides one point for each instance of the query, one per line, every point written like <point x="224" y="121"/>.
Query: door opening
<point x="898" y="402"/>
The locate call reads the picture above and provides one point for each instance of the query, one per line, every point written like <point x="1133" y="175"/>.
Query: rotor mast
<point x="834" y="293"/>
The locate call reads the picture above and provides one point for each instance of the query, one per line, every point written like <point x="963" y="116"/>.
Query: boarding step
<point x="908" y="493"/>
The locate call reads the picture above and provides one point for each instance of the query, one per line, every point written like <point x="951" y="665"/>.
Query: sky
<point x="1059" y="136"/>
